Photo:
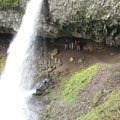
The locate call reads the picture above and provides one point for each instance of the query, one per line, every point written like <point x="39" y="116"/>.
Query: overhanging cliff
<point x="98" y="20"/>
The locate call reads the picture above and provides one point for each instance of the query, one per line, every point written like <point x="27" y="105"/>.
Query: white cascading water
<point x="15" y="83"/>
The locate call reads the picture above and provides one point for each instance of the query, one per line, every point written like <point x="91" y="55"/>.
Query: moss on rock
<point x="107" y="111"/>
<point x="78" y="82"/>
<point x="9" y="3"/>
<point x="2" y="63"/>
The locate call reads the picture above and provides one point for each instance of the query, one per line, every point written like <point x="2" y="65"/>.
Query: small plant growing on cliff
<point x="2" y="63"/>
<point x="118" y="6"/>
<point x="6" y="4"/>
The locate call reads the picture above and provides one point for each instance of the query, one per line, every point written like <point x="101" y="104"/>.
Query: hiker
<point x="66" y="44"/>
<point x="78" y="45"/>
<point x="72" y="45"/>
<point x="75" y="43"/>
<point x="69" y="44"/>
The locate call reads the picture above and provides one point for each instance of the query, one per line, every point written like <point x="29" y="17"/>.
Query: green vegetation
<point x="101" y="104"/>
<point x="117" y="58"/>
<point x="2" y="63"/>
<point x="95" y="98"/>
<point x="64" y="82"/>
<point x="118" y="6"/>
<point x="6" y="4"/>
<point x="109" y="110"/>
<point x="78" y="82"/>
<point x="107" y="67"/>
<point x="117" y="72"/>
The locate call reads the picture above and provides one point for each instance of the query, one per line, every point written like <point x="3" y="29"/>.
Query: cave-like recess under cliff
<point x="98" y="20"/>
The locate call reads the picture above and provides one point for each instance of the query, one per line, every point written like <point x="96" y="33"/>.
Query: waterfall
<point x="17" y="77"/>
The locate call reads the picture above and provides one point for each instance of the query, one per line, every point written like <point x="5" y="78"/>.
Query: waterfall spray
<point x="16" y="78"/>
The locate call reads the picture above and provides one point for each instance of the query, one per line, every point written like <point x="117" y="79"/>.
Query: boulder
<point x="38" y="92"/>
<point x="71" y="59"/>
<point x="88" y="47"/>
<point x="54" y="52"/>
<point x="43" y="86"/>
<point x="80" y="60"/>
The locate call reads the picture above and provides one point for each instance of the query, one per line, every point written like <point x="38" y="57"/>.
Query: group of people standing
<point x="72" y="44"/>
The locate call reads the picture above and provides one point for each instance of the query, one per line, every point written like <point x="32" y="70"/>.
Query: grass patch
<point x="117" y="58"/>
<point x="7" y="4"/>
<point x="117" y="71"/>
<point x="63" y="82"/>
<point x="53" y="95"/>
<point x="109" y="110"/>
<point x="118" y="6"/>
<point x="95" y="98"/>
<point x="78" y="82"/>
<point x="2" y="63"/>
<point x="107" y="67"/>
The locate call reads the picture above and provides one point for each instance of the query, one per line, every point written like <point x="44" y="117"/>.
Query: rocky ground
<point x="86" y="82"/>
<point x="89" y="54"/>
<point x="82" y="90"/>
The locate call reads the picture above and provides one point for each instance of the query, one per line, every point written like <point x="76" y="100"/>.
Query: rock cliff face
<point x="10" y="16"/>
<point x="98" y="20"/>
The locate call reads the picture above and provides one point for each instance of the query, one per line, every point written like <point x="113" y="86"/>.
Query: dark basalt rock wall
<point x="98" y="20"/>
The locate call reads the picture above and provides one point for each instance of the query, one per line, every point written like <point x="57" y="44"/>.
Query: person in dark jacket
<point x="78" y="45"/>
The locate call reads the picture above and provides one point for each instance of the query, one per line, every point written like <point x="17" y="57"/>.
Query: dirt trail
<point x="106" y="55"/>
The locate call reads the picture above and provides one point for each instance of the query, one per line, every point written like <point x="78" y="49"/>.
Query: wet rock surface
<point x="43" y="87"/>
